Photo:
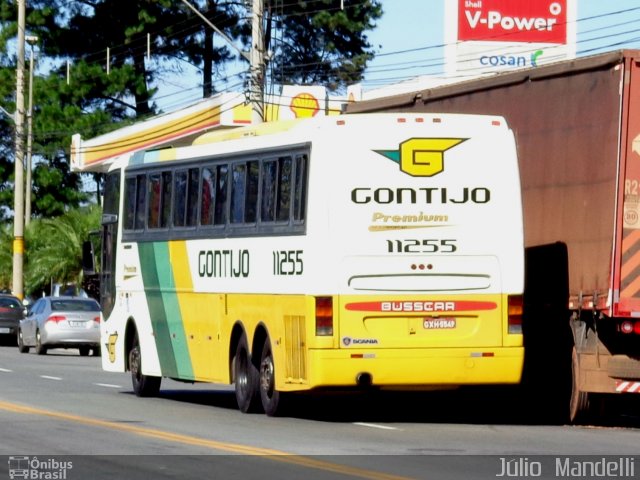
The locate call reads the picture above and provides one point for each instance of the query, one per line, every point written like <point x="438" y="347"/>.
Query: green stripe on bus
<point x="155" y="302"/>
<point x="172" y="310"/>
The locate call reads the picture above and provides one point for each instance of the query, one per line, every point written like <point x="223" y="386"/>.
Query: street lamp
<point x="31" y="40"/>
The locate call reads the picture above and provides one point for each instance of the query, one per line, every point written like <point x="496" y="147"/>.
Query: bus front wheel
<point x="273" y="401"/>
<point x="143" y="385"/>
<point x="245" y="377"/>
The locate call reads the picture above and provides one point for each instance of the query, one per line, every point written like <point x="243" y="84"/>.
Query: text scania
<point x="223" y="263"/>
<point x="385" y="196"/>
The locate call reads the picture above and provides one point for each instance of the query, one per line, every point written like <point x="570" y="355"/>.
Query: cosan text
<point x="385" y="196"/>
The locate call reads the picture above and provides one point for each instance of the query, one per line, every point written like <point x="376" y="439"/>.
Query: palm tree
<point x="55" y="247"/>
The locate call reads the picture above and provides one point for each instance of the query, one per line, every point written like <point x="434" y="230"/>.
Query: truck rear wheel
<point x="583" y="405"/>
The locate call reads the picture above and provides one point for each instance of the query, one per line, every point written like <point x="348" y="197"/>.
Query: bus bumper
<point x="412" y="368"/>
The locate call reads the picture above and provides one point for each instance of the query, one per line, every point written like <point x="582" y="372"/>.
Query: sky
<point x="418" y="25"/>
<point x="409" y="39"/>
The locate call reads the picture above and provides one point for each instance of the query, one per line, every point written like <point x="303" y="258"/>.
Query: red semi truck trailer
<point x="577" y="127"/>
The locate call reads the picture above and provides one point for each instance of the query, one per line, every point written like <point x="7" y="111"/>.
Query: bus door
<point x="110" y="223"/>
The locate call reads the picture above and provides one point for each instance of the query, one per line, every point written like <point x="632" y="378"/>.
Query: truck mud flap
<point x="548" y="340"/>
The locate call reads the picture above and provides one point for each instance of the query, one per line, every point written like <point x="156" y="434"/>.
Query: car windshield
<point x="10" y="304"/>
<point x="75" y="306"/>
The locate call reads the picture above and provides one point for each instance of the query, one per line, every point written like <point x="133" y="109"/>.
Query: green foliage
<point x="54" y="248"/>
<point x="322" y="43"/>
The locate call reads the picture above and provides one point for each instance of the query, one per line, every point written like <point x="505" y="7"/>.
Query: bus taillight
<point x="514" y="320"/>
<point x="324" y="316"/>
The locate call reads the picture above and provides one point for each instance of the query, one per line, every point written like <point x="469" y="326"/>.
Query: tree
<point x="318" y="42"/>
<point x="54" y="247"/>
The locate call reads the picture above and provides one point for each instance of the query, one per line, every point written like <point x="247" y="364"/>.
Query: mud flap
<point x="548" y="340"/>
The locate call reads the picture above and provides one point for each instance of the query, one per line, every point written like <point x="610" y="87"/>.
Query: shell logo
<point x="304" y="105"/>
<point x="422" y="157"/>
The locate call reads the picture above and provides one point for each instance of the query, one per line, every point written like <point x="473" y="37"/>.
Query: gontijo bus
<point x="378" y="250"/>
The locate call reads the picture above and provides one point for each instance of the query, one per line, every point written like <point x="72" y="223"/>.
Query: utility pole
<point x="18" y="209"/>
<point x="255" y="57"/>
<point x="257" y="68"/>
<point x="31" y="40"/>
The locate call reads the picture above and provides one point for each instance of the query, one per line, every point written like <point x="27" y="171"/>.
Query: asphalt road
<point x="63" y="407"/>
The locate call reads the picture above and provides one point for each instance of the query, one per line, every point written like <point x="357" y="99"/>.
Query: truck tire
<point x="584" y="406"/>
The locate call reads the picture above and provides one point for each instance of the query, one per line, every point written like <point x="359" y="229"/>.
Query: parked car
<point x="11" y="312"/>
<point x="61" y="322"/>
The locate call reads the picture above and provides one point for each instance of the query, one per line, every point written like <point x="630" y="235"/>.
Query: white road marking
<point x="108" y="385"/>
<point x="5" y="370"/>
<point x="373" y="425"/>
<point x="47" y="377"/>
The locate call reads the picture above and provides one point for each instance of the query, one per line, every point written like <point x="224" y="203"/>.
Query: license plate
<point x="76" y="324"/>
<point x="5" y="330"/>
<point x="442" y="323"/>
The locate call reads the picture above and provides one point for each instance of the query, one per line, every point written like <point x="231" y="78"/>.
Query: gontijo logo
<point x="421" y="157"/>
<point x="511" y="21"/>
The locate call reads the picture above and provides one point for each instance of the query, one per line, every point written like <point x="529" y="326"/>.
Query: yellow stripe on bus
<point x="193" y="312"/>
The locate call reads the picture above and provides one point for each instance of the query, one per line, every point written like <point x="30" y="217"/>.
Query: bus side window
<point x="207" y="202"/>
<point x="141" y="194"/>
<point x="166" y="199"/>
<point x="251" y="200"/>
<point x="220" y="215"/>
<point x="154" y="193"/>
<point x="238" y="185"/>
<point x="192" y="197"/>
<point x="300" y="191"/>
<point x="180" y="198"/>
<point x="129" y="203"/>
<point x="268" y="199"/>
<point x="284" y="189"/>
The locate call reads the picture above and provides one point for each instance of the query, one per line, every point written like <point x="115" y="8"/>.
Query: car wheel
<point x="40" y="348"/>
<point x="22" y="348"/>
<point x="84" y="351"/>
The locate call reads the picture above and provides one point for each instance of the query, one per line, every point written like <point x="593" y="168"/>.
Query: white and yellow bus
<point x="381" y="251"/>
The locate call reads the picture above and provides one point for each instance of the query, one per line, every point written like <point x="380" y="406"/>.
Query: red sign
<point x="528" y="21"/>
<point x="395" y="306"/>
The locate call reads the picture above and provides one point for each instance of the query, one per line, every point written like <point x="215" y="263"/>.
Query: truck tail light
<point x="514" y="314"/>
<point x="629" y="326"/>
<point x="324" y="316"/>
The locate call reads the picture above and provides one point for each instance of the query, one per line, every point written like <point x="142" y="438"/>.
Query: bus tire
<point x="143" y="385"/>
<point x="245" y="378"/>
<point x="273" y="401"/>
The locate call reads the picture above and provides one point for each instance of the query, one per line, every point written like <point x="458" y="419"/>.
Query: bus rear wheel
<point x="273" y="401"/>
<point x="245" y="377"/>
<point x="143" y="385"/>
